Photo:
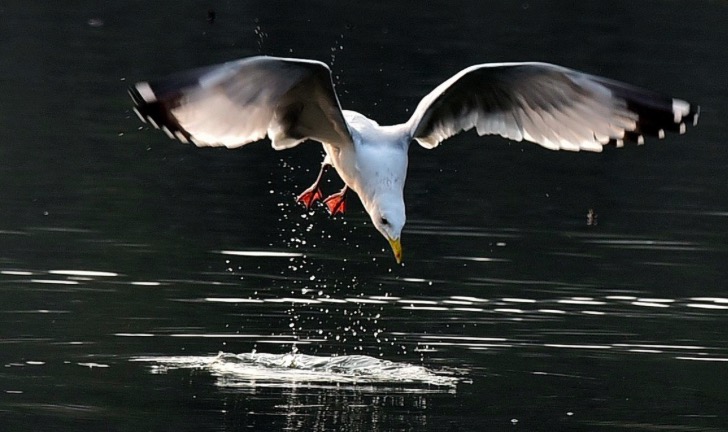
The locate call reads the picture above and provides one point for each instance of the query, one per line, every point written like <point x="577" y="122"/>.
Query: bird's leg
<point x="336" y="203"/>
<point x="313" y="193"/>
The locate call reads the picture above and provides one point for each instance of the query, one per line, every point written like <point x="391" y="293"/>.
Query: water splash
<point x="260" y="34"/>
<point x="337" y="46"/>
<point x="261" y="369"/>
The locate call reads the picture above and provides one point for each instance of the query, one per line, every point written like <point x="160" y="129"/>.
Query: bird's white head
<point x="382" y="192"/>
<point x="388" y="216"/>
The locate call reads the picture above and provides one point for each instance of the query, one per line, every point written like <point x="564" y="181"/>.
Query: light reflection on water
<point x="368" y="317"/>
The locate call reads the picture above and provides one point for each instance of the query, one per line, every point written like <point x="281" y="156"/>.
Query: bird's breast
<point x="344" y="162"/>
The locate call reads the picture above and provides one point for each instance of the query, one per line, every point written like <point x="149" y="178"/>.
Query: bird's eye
<point x="384" y="221"/>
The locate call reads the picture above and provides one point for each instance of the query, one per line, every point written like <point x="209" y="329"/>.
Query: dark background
<point x="576" y="326"/>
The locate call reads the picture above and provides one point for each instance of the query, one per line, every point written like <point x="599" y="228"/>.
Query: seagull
<point x="293" y="100"/>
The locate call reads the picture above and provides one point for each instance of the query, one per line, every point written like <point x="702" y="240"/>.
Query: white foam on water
<point x="261" y="369"/>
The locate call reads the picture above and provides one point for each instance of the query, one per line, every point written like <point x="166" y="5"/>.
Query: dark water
<point x="149" y="285"/>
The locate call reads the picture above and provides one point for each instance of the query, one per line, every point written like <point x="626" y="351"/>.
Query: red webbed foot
<point x="336" y="203"/>
<point x="313" y="194"/>
<point x="310" y="196"/>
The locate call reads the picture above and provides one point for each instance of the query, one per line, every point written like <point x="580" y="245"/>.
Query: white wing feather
<point x="236" y="103"/>
<point x="555" y="107"/>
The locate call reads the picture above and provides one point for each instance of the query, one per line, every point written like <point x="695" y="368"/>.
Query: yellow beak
<point x="397" y="249"/>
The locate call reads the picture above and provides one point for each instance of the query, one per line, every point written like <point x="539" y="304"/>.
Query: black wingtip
<point x="157" y="111"/>
<point x="656" y="113"/>
<point x="657" y="117"/>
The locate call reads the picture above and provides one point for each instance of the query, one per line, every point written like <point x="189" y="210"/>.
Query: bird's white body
<point x="293" y="100"/>
<point x="375" y="167"/>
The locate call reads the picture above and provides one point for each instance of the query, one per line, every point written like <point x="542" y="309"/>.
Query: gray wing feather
<point x="555" y="107"/>
<point x="239" y="102"/>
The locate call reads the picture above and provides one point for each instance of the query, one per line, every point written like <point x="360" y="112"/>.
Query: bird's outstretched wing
<point x="239" y="102"/>
<point x="556" y="107"/>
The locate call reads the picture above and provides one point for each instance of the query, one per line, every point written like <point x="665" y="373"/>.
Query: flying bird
<point x="293" y="100"/>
